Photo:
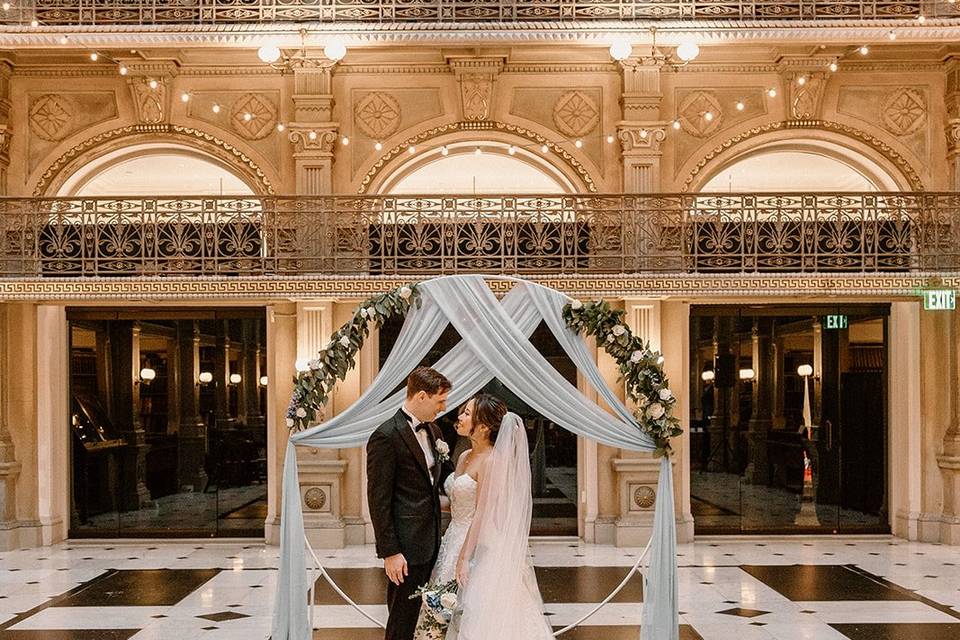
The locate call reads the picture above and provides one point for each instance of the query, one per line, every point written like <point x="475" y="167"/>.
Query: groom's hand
<point x="395" y="567"/>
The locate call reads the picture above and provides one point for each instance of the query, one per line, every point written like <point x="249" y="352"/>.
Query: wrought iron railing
<point x="574" y="234"/>
<point x="107" y="12"/>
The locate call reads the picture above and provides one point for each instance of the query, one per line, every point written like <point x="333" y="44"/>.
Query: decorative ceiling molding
<point x="877" y="144"/>
<point x="600" y="33"/>
<point x="269" y="289"/>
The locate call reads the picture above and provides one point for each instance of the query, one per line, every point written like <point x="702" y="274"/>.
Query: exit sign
<point x="940" y="300"/>
<point x="835" y="322"/>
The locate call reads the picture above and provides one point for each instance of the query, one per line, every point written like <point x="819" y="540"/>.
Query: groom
<point x="404" y="474"/>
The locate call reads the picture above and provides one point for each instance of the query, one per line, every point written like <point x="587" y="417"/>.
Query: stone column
<point x="281" y="354"/>
<point x="764" y="367"/>
<point x="192" y="428"/>
<point x="125" y="363"/>
<point x="221" y="377"/>
<point x="953" y="123"/>
<point x="250" y="362"/>
<point x="949" y="458"/>
<point x="313" y="132"/>
<point x="641" y="131"/>
<point x="9" y="466"/>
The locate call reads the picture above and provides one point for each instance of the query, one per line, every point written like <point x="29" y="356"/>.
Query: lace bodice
<point x="462" y="491"/>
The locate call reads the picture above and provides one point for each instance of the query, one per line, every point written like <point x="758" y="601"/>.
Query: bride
<point x="485" y="546"/>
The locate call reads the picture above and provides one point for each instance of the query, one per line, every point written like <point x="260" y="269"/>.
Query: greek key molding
<point x="484" y="125"/>
<point x="267" y="289"/>
<point x="877" y="144"/>
<point x="251" y="168"/>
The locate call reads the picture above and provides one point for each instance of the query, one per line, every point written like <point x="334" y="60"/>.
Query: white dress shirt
<point x="424" y="441"/>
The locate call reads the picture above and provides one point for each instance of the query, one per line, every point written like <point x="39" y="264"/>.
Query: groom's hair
<point x="427" y="379"/>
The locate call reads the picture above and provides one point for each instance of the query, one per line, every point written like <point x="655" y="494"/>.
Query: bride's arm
<point x="473" y="534"/>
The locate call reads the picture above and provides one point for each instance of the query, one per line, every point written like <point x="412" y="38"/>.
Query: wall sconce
<point x="747" y="374"/>
<point x="147" y="375"/>
<point x="235" y="379"/>
<point x="805" y="370"/>
<point x="263" y="381"/>
<point x="205" y="378"/>
<point x="708" y="375"/>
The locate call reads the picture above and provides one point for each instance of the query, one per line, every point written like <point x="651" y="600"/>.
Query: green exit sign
<point x="940" y="300"/>
<point x="835" y="322"/>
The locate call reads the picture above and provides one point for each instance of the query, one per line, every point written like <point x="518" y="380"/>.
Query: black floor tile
<point x="139" y="588"/>
<point x="807" y="582"/>
<point x="69" y="634"/>
<point x="557" y="584"/>
<point x="900" y="631"/>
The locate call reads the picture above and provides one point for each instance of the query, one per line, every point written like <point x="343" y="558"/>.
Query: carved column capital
<point x="640" y="139"/>
<point x="317" y="141"/>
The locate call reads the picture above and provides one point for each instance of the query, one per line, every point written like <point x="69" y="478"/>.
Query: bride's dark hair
<point x="489" y="410"/>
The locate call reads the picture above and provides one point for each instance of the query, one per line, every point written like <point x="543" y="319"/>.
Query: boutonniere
<point x="443" y="451"/>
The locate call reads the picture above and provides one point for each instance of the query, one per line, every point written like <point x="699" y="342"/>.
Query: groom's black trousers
<point x="402" y="621"/>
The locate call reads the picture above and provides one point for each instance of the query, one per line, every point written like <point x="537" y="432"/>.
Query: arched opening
<point x="159" y="169"/>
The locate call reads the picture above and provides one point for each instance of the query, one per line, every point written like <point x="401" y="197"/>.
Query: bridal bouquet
<point x="441" y="601"/>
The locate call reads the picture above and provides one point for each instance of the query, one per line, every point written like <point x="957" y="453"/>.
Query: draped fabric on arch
<point x="494" y="343"/>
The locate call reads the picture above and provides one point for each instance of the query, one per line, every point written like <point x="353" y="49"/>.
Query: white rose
<point x="405" y="292"/>
<point x="665" y="394"/>
<point x="371" y="312"/>
<point x="448" y="600"/>
<point x="610" y="337"/>
<point x="619" y="330"/>
<point x="301" y="412"/>
<point x="345" y="341"/>
<point x="660" y="360"/>
<point x="289" y="422"/>
<point x="636" y="357"/>
<point x="442" y="447"/>
<point x="314" y="364"/>
<point x="363" y="312"/>
<point x="576" y="304"/>
<point x="655" y="411"/>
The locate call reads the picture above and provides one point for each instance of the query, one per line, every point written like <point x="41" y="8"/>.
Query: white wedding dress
<point x="462" y="491"/>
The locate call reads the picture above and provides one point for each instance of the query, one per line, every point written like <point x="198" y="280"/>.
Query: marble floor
<point x="878" y="588"/>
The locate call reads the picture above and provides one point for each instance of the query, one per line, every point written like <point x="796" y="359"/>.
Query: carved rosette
<point x="700" y="114"/>
<point x="315" y="498"/>
<point x="51" y="117"/>
<point x="262" y="114"/>
<point x="575" y="114"/>
<point x="319" y="140"/>
<point x="903" y="111"/>
<point x="644" y="497"/>
<point x="377" y="115"/>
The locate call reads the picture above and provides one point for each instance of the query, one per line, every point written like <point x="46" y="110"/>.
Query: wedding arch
<point x="494" y="344"/>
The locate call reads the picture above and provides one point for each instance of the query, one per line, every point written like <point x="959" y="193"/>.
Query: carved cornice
<point x="248" y="165"/>
<point x="454" y="127"/>
<point x="265" y="289"/>
<point x="876" y="143"/>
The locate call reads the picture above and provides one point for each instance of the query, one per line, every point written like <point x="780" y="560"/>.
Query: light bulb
<point x="802" y="80"/>
<point x="512" y="150"/>
<point x="892" y="35"/>
<point x="264" y="380"/>
<point x="247" y="117"/>
<point x="688" y="50"/>
<point x="621" y="50"/>
<point x="34" y="23"/>
<point x="205" y="377"/>
<point x="216" y="108"/>
<point x="746" y="374"/>
<point x="6" y="6"/>
<point x="708" y="116"/>
<point x="444" y="151"/>
<point x="94" y="56"/>
<point x="921" y="19"/>
<point x="643" y="134"/>
<point x="335" y="51"/>
<point x="578" y="143"/>
<point x="864" y="50"/>
<point x="545" y="148"/>
<point x="676" y="124"/>
<point x="834" y="66"/>
<point x="411" y="149"/>
<point x="478" y="151"/>
<point x="805" y="370"/>
<point x="280" y="127"/>
<point x="378" y="145"/>
<point x="269" y="53"/>
<point x="610" y="139"/>
<point x="184" y="97"/>
<point x="123" y="70"/>
<point x="235" y="378"/>
<point x="772" y="92"/>
<point x="312" y="135"/>
<point x="153" y="84"/>
<point x="64" y="39"/>
<point x="147" y="374"/>
<point x="740" y="105"/>
<point x="708" y="376"/>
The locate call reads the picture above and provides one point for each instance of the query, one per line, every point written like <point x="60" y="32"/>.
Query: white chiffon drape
<point x="493" y="344"/>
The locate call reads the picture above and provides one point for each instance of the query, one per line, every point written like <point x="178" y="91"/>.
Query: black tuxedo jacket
<point x="404" y="504"/>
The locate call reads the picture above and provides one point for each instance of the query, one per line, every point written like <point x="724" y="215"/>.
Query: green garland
<point x="640" y="368"/>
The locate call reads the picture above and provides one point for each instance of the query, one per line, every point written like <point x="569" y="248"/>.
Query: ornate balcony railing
<point x="141" y="12"/>
<point x="570" y="234"/>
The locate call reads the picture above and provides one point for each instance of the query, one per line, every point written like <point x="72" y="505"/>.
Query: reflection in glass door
<point x="789" y="425"/>
<point x="167" y="423"/>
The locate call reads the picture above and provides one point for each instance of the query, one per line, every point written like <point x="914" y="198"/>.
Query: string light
<point x="247" y="117"/>
<point x="921" y="19"/>
<point x="344" y="140"/>
<point x="864" y="50"/>
<point x="772" y="92"/>
<point x="610" y="139"/>
<point x="34" y="23"/>
<point x="578" y="144"/>
<point x="477" y="151"/>
<point x="280" y="127"/>
<point x="834" y="66"/>
<point x="512" y="150"/>
<point x="892" y="35"/>
<point x="644" y="134"/>
<point x="94" y="56"/>
<point x="444" y="151"/>
<point x="412" y="149"/>
<point x="64" y="39"/>
<point x="708" y="116"/>
<point x="544" y="148"/>
<point x="676" y="124"/>
<point x="6" y="6"/>
<point x="802" y="80"/>
<point x="184" y="97"/>
<point x="216" y="108"/>
<point x="378" y="145"/>
<point x="740" y="105"/>
<point x="122" y="70"/>
<point x="153" y="84"/>
<point x="312" y="135"/>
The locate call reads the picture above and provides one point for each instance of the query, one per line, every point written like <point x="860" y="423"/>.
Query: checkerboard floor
<point x="736" y="589"/>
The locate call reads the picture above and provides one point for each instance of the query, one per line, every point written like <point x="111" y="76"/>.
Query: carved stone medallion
<point x="700" y="114"/>
<point x="644" y="497"/>
<point x="253" y="116"/>
<point x="315" y="498"/>
<point x="51" y="117"/>
<point x="576" y="114"/>
<point x="377" y="115"/>
<point x="903" y="111"/>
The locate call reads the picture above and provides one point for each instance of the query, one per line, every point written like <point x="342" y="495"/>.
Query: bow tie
<point x="420" y="427"/>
